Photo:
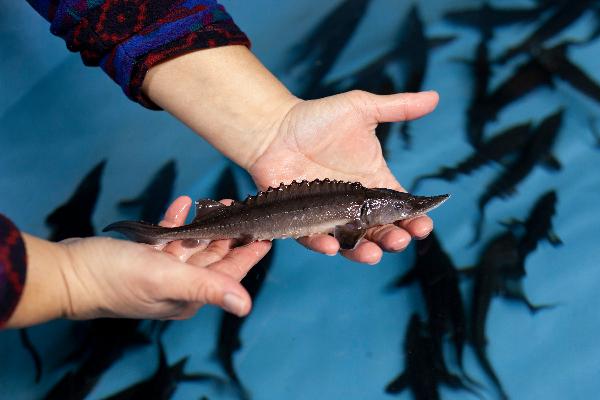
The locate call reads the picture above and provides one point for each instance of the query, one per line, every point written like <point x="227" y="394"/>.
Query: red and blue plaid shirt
<point x="126" y="38"/>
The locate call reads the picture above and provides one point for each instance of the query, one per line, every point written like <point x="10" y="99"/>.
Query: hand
<point x="334" y="138"/>
<point x="103" y="277"/>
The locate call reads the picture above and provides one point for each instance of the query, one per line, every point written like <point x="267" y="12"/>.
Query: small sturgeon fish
<point x="346" y="209"/>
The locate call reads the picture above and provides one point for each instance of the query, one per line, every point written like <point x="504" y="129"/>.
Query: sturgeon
<point x="346" y="209"/>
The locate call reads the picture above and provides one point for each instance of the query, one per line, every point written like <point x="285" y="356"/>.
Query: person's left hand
<point x="334" y="138"/>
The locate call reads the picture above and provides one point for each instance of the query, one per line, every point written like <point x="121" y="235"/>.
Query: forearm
<point x="225" y="95"/>
<point x="44" y="293"/>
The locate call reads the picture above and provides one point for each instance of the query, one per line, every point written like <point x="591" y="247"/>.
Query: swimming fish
<point x="323" y="45"/>
<point x="538" y="149"/>
<point x="154" y="199"/>
<point x="163" y="383"/>
<point x="106" y="341"/>
<point x="438" y="279"/>
<point x="538" y="225"/>
<point x="416" y="58"/>
<point x="481" y="71"/>
<point x="555" y="60"/>
<point x="425" y="368"/>
<point x="499" y="148"/>
<point x="564" y="15"/>
<point x="231" y="325"/>
<point x="74" y="217"/>
<point x="299" y="209"/>
<point x="487" y="17"/>
<point x="498" y="273"/>
<point x="527" y="77"/>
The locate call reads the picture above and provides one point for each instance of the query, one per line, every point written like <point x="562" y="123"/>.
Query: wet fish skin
<point x="154" y="198"/>
<point x="496" y="149"/>
<point x="299" y="209"/>
<point x="537" y="150"/>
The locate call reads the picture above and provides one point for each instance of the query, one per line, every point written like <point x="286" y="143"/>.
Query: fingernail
<point x="234" y="304"/>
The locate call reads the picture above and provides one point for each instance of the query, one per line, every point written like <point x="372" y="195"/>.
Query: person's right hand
<point x="104" y="277"/>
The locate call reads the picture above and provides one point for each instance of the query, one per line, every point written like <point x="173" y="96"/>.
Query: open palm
<point x="334" y="138"/>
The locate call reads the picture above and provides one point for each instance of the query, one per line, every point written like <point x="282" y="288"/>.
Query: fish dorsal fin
<point x="205" y="207"/>
<point x="301" y="189"/>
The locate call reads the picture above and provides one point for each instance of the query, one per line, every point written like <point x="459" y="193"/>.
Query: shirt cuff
<point x="13" y="268"/>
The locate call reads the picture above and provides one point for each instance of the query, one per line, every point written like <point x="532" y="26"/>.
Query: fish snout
<point x="424" y="204"/>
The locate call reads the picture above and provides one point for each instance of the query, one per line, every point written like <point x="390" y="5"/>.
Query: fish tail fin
<point x="141" y="232"/>
<point x="489" y="370"/>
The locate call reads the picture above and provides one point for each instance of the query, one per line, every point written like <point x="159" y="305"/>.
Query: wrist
<point x="45" y="295"/>
<point x="226" y="96"/>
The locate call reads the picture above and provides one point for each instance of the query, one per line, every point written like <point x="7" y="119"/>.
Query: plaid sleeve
<point x="13" y="268"/>
<point x="128" y="37"/>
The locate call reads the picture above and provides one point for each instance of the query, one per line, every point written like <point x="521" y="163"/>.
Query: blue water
<point x="322" y="327"/>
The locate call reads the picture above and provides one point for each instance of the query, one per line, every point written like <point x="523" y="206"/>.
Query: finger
<point x="175" y="216"/>
<point x="202" y="285"/>
<point x="240" y="260"/>
<point x="389" y="237"/>
<point x="365" y="252"/>
<point x="419" y="227"/>
<point x="401" y="106"/>
<point x="321" y="243"/>
<point x="212" y="253"/>
<point x="177" y="212"/>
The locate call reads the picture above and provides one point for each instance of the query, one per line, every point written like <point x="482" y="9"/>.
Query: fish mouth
<point x="424" y="204"/>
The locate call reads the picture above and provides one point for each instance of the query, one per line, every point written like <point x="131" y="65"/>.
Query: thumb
<point x="201" y="285"/>
<point x="401" y="106"/>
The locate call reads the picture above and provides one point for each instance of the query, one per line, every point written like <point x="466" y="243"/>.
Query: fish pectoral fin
<point x="349" y="234"/>
<point x="551" y="163"/>
<point x="204" y="207"/>
<point x="554" y="239"/>
<point x="400" y="383"/>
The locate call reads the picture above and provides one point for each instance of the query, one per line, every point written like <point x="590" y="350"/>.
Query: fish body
<point x="438" y="279"/>
<point x="291" y="211"/>
<point x="538" y="225"/>
<point x="538" y="149"/>
<point x="325" y="43"/>
<point x="488" y="17"/>
<point x="163" y="383"/>
<point x="154" y="199"/>
<point x="230" y="328"/>
<point x="497" y="149"/>
<point x="425" y="369"/>
<point x="499" y="272"/>
<point x="481" y="70"/>
<point x="564" y="15"/>
<point x="74" y="217"/>
<point x="555" y="60"/>
<point x="106" y="341"/>
<point x="528" y="77"/>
